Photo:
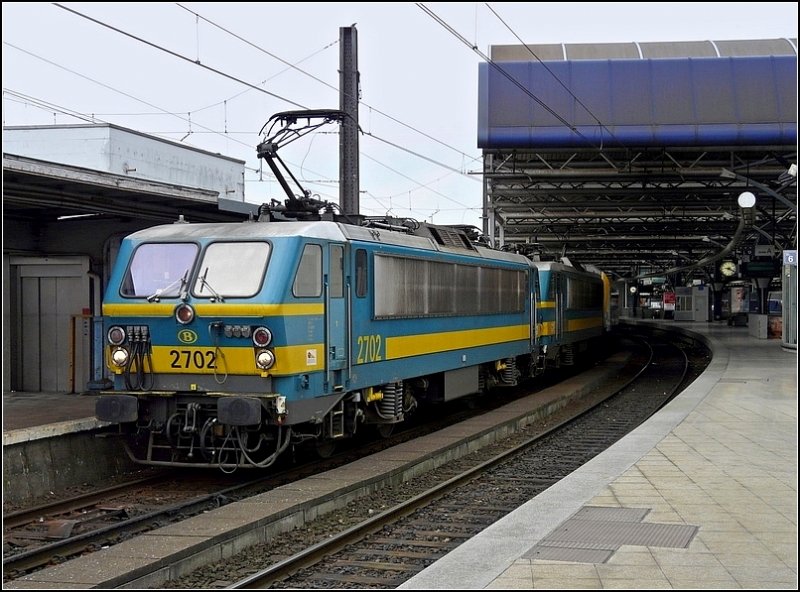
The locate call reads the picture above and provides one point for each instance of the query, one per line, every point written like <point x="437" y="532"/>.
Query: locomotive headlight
<point x="116" y="335"/>
<point x="119" y="356"/>
<point x="262" y="337"/>
<point x="184" y="314"/>
<point x="265" y="359"/>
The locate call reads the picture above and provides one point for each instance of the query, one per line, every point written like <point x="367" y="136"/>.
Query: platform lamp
<point x="746" y="199"/>
<point x="747" y="202"/>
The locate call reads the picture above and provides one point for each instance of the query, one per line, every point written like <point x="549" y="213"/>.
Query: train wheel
<point x="385" y="429"/>
<point x="325" y="448"/>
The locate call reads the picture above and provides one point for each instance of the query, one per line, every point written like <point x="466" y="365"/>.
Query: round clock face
<point x="728" y="268"/>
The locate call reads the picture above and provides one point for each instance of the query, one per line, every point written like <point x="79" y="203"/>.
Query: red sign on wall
<point x="669" y="300"/>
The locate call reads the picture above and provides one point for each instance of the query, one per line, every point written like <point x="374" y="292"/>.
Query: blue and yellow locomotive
<point x="230" y="343"/>
<point x="573" y="311"/>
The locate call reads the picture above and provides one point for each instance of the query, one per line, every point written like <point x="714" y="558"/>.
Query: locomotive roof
<point x="240" y="230"/>
<point x="556" y="266"/>
<point x="312" y="229"/>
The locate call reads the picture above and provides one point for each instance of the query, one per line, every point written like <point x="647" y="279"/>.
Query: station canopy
<point x="632" y="157"/>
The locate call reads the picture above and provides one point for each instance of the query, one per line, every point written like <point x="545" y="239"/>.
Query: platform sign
<point x="760" y="269"/>
<point x="790" y="258"/>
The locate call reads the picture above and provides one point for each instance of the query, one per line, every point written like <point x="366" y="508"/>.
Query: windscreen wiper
<point x="204" y="284"/>
<point x="183" y="280"/>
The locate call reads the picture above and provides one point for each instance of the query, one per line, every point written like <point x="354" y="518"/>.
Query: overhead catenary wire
<point x="415" y="181"/>
<point x="50" y="107"/>
<point x="92" y="118"/>
<point x="116" y="90"/>
<point x="179" y="56"/>
<point x="254" y="87"/>
<point x="426" y="185"/>
<point x="417" y="154"/>
<point x="319" y="80"/>
<point x="24" y="99"/>
<point x="235" y="78"/>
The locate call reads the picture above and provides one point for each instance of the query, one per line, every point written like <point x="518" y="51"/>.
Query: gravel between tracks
<point x="232" y="569"/>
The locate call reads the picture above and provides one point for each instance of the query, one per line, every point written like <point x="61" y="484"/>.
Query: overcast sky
<point x="56" y="63"/>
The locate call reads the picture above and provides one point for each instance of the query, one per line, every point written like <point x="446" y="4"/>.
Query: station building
<point x="70" y="194"/>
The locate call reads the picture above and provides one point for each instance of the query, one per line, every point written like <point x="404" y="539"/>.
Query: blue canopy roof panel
<point x="728" y="101"/>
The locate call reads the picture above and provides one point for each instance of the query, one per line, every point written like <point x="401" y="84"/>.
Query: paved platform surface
<point x="32" y="415"/>
<point x="718" y="463"/>
<point x="22" y="409"/>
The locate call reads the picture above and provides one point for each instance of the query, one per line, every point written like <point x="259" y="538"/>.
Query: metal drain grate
<point x="611" y="514"/>
<point x="593" y="534"/>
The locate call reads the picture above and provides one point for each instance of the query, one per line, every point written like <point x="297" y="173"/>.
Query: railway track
<point x="40" y="536"/>
<point x="392" y="545"/>
<point x="74" y="504"/>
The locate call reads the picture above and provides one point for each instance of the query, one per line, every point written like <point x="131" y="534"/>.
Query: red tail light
<point x="262" y="337"/>
<point x="116" y="335"/>
<point x="184" y="314"/>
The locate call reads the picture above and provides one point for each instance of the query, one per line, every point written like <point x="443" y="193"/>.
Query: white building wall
<point x="119" y="151"/>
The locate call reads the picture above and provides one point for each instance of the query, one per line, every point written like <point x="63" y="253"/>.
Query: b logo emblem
<point x="187" y="336"/>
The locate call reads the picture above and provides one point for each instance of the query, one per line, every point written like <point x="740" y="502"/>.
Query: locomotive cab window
<point x="308" y="281"/>
<point x="361" y="273"/>
<point x="231" y="270"/>
<point x="337" y="271"/>
<point x="159" y="269"/>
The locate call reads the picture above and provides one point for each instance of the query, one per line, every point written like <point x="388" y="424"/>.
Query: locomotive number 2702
<point x="369" y="349"/>
<point x="184" y="358"/>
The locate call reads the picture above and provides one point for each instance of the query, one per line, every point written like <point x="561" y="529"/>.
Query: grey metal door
<point x="52" y="331"/>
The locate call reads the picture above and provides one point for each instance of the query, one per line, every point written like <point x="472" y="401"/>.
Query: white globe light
<point x="747" y="200"/>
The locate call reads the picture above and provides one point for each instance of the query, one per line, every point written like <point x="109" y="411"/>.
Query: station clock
<point x="727" y="268"/>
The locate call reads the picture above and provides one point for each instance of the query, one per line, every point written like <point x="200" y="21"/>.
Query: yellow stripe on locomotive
<point x="227" y="309"/>
<point x="181" y="359"/>
<point x="414" y="345"/>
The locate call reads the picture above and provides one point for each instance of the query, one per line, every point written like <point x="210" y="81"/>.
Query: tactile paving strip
<point x="593" y="534"/>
